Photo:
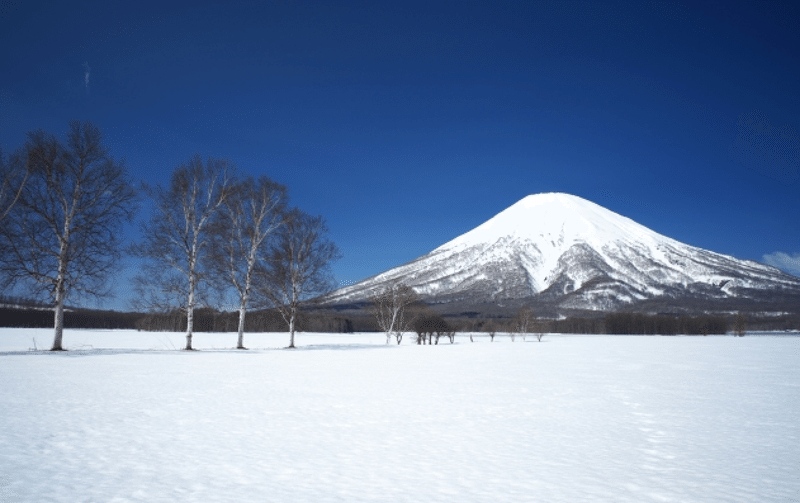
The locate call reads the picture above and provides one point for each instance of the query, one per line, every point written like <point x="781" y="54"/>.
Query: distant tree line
<point x="209" y="320"/>
<point x="206" y="320"/>
<point x="29" y="313"/>
<point x="631" y="324"/>
<point x="72" y="318"/>
<point x="644" y="324"/>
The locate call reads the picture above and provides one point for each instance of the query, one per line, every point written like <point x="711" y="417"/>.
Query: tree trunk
<point x="190" y="317"/>
<point x="59" y="322"/>
<point x="391" y="327"/>
<point x="291" y="330"/>
<point x="61" y="292"/>
<point x="190" y="307"/>
<point x="240" y="342"/>
<point x="245" y="296"/>
<point x="189" y="327"/>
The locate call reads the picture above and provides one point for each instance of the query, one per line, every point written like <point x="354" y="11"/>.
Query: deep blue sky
<point x="406" y="124"/>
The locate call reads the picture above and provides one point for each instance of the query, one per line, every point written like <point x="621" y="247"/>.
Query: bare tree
<point x="491" y="328"/>
<point x="390" y="307"/>
<point x="522" y="322"/>
<point x="297" y="268"/>
<point x="13" y="176"/>
<point x="253" y="211"/>
<point x="63" y="236"/>
<point x="176" y="238"/>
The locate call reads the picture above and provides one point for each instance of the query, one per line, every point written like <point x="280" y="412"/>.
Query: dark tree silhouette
<point x="63" y="236"/>
<point x="430" y="326"/>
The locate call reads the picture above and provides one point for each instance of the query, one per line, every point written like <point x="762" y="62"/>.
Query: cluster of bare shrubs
<point x="430" y="326"/>
<point x="397" y="310"/>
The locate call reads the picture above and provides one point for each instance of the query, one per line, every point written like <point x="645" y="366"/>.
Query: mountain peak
<point x="555" y="216"/>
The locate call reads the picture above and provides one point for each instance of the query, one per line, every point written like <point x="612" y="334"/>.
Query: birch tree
<point x="63" y="236"/>
<point x="297" y="268"/>
<point x="522" y="322"/>
<point x="176" y="238"/>
<point x="254" y="210"/>
<point x="390" y="307"/>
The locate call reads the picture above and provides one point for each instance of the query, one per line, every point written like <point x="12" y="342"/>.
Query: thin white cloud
<point x="784" y="262"/>
<point x="86" y="72"/>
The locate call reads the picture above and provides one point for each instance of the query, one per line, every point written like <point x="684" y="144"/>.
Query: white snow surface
<point x="545" y="218"/>
<point x="123" y="418"/>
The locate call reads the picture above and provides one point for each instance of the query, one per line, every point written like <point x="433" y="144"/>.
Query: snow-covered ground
<point x="346" y="418"/>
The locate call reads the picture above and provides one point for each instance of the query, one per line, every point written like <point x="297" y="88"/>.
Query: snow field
<point x="346" y="418"/>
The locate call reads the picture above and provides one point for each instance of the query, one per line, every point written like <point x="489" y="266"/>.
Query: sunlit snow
<point x="122" y="417"/>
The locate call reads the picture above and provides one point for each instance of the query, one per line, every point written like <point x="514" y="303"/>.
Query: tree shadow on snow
<point x="69" y="352"/>
<point x="86" y="352"/>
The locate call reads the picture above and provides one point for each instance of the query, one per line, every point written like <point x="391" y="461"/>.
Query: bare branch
<point x="13" y="176"/>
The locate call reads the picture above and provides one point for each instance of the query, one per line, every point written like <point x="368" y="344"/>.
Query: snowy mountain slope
<point x="577" y="254"/>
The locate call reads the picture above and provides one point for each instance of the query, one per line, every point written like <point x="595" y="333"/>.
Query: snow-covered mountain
<point x="572" y="253"/>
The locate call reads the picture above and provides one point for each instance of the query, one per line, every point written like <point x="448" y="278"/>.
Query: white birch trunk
<point x="190" y="315"/>
<point x="242" y="311"/>
<point x="61" y="290"/>
<point x="59" y="318"/>
<point x="248" y="279"/>
<point x="192" y="287"/>
<point x="291" y="329"/>
<point x="388" y="335"/>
